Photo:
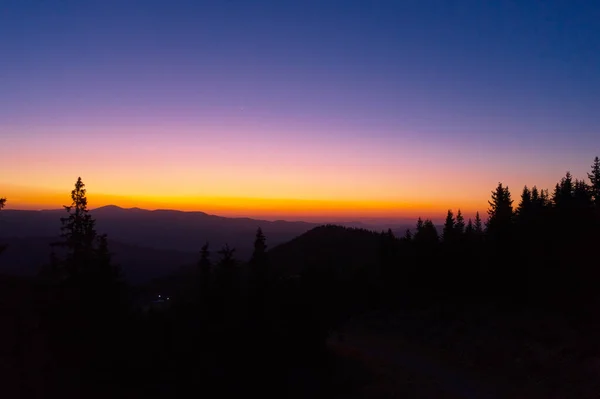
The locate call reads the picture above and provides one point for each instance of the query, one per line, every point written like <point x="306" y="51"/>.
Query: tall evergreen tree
<point x="408" y="235"/>
<point x="582" y="195"/>
<point x="2" y="204"/>
<point x="259" y="254"/>
<point x="563" y="197"/>
<point x="524" y="208"/>
<point x="426" y="232"/>
<point x="449" y="230"/>
<point x="419" y="225"/>
<point x="500" y="212"/>
<point x="204" y="270"/>
<point x="594" y="177"/>
<point x="259" y="268"/>
<point x="544" y="198"/>
<point x="535" y="195"/>
<point x="469" y="230"/>
<point x="478" y="225"/>
<point x="226" y="267"/>
<point x="86" y="302"/>
<point x="78" y="233"/>
<point x="227" y="259"/>
<point x="460" y="224"/>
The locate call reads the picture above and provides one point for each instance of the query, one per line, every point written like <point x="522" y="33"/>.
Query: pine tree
<point x="594" y="177"/>
<point x="2" y="204"/>
<point x="563" y="193"/>
<point x="426" y="232"/>
<point x="448" y="233"/>
<point x="259" y="264"/>
<point x="260" y="248"/>
<point x="227" y="258"/>
<point x="419" y="225"/>
<point x="78" y="232"/>
<point x="478" y="225"/>
<point x="204" y="272"/>
<point x="226" y="265"/>
<point x="523" y="211"/>
<point x="500" y="212"/>
<point x="408" y="235"/>
<point x="460" y="224"/>
<point x="535" y="195"/>
<point x="104" y="264"/>
<point x="469" y="230"/>
<point x="87" y="295"/>
<point x="582" y="195"/>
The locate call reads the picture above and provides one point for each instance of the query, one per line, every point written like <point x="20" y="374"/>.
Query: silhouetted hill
<point x="25" y="257"/>
<point x="159" y="229"/>
<point x="326" y="246"/>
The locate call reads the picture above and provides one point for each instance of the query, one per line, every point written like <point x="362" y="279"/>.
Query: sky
<point x="294" y="110"/>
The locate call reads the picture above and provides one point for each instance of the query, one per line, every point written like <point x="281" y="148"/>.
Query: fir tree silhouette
<point x="478" y="225"/>
<point x="426" y="232"/>
<point x="469" y="230"/>
<point x="259" y="278"/>
<point x="259" y="255"/>
<point x="204" y="271"/>
<point x="562" y="197"/>
<point x="500" y="214"/>
<point x="594" y="176"/>
<point x="449" y="230"/>
<point x="2" y="204"/>
<point x="525" y="205"/>
<point x="460" y="224"/>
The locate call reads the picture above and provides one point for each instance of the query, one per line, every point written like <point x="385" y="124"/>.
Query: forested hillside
<point x="512" y="293"/>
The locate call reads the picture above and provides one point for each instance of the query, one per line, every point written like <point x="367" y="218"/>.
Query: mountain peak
<point x="108" y="208"/>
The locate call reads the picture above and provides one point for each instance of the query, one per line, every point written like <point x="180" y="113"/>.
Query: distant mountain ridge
<point x="151" y="243"/>
<point x="159" y="229"/>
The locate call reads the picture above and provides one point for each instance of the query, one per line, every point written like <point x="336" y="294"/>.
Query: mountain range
<point x="145" y="243"/>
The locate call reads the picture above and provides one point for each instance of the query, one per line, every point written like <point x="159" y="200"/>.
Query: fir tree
<point x="419" y="225"/>
<point x="226" y="266"/>
<point x="408" y="235"/>
<point x="227" y="259"/>
<point x="259" y="264"/>
<point x="582" y="195"/>
<point x="562" y="197"/>
<point x="500" y="213"/>
<point x="460" y="223"/>
<point x="594" y="177"/>
<point x="524" y="208"/>
<point x="78" y="232"/>
<point x="2" y="204"/>
<point x="426" y="232"/>
<point x="260" y="249"/>
<point x="204" y="271"/>
<point x="448" y="233"/>
<point x="469" y="230"/>
<point x="478" y="225"/>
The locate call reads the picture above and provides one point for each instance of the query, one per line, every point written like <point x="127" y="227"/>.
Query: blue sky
<point x="501" y="86"/>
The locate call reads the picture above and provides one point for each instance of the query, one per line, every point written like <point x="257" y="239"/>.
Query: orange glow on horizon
<point x="270" y="208"/>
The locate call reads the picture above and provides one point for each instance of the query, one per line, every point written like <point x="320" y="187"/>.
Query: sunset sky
<point x="295" y="109"/>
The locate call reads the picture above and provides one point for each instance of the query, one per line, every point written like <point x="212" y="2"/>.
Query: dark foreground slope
<point x="26" y="257"/>
<point x="329" y="246"/>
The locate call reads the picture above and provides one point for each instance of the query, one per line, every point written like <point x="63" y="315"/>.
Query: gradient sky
<point x="295" y="109"/>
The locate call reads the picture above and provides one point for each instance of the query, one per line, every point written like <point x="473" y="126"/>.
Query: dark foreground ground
<point x="386" y="356"/>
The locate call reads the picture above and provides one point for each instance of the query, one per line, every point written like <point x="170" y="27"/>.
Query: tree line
<point x="539" y="254"/>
